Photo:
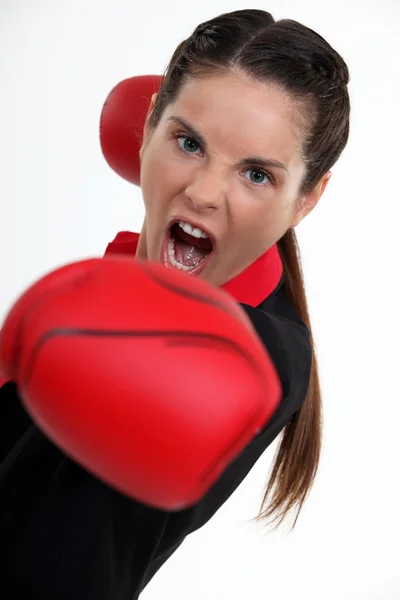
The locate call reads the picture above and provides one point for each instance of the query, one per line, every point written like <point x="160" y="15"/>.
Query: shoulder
<point x="287" y="340"/>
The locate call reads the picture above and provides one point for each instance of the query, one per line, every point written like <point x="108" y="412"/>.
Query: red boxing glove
<point x="151" y="379"/>
<point x="122" y="122"/>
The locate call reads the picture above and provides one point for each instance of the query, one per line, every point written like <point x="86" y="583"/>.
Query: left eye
<point x="188" y="144"/>
<point x="258" y="176"/>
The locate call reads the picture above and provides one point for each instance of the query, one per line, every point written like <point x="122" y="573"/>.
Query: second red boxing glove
<point x="151" y="379"/>
<point x="122" y="121"/>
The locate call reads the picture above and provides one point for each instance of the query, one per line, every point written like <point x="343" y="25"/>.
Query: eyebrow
<point x="244" y="162"/>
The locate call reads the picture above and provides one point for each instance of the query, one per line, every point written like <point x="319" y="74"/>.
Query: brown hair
<point x="299" y="60"/>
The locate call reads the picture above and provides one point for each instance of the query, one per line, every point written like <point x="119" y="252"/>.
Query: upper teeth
<point x="194" y="231"/>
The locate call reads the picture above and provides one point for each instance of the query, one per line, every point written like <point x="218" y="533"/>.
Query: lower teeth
<point x="172" y="259"/>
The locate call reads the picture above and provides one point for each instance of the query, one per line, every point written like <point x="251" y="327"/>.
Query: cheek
<point x="251" y="215"/>
<point x="160" y="176"/>
<point x="259" y="224"/>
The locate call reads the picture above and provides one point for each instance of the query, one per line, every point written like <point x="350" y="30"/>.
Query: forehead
<point x="247" y="118"/>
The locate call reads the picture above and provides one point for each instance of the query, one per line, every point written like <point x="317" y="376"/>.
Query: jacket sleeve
<point x="63" y="533"/>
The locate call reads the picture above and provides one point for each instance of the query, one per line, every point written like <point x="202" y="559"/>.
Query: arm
<point x="63" y="533"/>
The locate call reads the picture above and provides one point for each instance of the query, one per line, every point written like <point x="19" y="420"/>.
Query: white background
<point x="60" y="202"/>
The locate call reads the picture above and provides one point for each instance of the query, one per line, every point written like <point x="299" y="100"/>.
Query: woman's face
<point x="225" y="158"/>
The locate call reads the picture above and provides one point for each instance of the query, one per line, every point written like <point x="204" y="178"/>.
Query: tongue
<point x="189" y="251"/>
<point x="188" y="255"/>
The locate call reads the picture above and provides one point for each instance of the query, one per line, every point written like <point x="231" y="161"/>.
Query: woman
<point x="238" y="144"/>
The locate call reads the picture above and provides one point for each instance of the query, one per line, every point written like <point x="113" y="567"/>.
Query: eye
<point x="259" y="177"/>
<point x="187" y="144"/>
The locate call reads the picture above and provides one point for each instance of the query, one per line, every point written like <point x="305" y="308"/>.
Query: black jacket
<point x="65" y="535"/>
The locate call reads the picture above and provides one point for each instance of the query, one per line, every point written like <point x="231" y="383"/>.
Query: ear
<point x="146" y="129"/>
<point x="151" y="108"/>
<point x="309" y="201"/>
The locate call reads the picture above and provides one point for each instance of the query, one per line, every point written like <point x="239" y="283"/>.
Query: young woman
<point x="237" y="150"/>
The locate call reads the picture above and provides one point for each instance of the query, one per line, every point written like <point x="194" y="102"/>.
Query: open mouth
<point x="186" y="247"/>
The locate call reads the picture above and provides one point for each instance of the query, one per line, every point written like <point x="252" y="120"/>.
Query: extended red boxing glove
<point x="122" y="122"/>
<point x="151" y="379"/>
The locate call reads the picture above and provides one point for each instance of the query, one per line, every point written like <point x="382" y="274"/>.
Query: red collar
<point x="252" y="286"/>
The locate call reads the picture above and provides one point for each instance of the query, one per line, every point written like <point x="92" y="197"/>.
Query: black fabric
<point x="64" y="534"/>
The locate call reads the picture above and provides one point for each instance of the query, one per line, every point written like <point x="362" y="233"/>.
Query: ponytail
<point x="297" y="458"/>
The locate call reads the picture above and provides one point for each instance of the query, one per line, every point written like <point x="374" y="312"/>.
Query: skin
<point x="246" y="209"/>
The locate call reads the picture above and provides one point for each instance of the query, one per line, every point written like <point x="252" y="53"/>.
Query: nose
<point x="206" y="191"/>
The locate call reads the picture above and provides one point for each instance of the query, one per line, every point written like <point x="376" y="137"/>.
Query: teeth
<point x="172" y="259"/>
<point x="195" y="232"/>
